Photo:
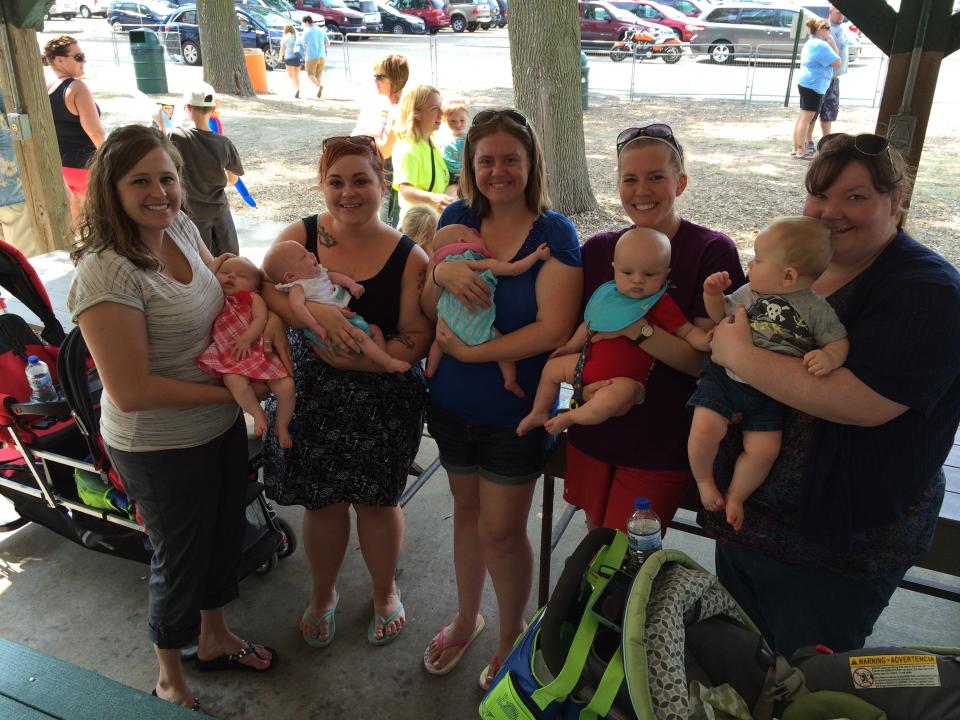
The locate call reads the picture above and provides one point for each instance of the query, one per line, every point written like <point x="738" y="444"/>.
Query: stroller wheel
<point x="289" y="543"/>
<point x="268" y="565"/>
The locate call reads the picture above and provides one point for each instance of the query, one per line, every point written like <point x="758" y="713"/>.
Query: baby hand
<point x="356" y="289"/>
<point x="241" y="350"/>
<point x="542" y="252"/>
<point x="819" y="363"/>
<point x="716" y="283"/>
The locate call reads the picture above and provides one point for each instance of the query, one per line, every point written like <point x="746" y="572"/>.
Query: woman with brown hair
<point x="356" y="429"/>
<point x="472" y="417"/>
<point x="76" y="116"/>
<point x="817" y="60"/>
<point x="145" y="297"/>
<point x="852" y="500"/>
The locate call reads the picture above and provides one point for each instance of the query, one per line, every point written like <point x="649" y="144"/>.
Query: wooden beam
<point x="38" y="157"/>
<point x="874" y="18"/>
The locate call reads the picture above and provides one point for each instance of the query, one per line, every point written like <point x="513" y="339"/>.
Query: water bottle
<point x="643" y="532"/>
<point x="41" y="384"/>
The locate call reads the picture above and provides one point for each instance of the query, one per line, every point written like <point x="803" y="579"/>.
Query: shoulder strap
<point x="312" y="226"/>
<point x="433" y="167"/>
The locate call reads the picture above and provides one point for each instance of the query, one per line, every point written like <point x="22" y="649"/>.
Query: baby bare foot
<point x="512" y="386"/>
<point x="710" y="496"/>
<point x="532" y="421"/>
<point x="283" y="436"/>
<point x="259" y="422"/>
<point x="735" y="514"/>
<point x="558" y="423"/>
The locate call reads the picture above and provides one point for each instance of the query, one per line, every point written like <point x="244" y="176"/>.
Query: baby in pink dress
<point x="237" y="352"/>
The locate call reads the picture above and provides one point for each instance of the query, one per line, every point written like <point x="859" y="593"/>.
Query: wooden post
<point x="38" y="157"/>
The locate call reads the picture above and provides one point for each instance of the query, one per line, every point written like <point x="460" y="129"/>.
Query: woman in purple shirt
<point x="644" y="453"/>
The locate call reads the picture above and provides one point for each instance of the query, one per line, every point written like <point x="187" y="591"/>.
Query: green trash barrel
<point x="584" y="82"/>
<point x="148" y="61"/>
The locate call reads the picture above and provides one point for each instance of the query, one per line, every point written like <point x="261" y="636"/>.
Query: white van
<point x="66" y="9"/>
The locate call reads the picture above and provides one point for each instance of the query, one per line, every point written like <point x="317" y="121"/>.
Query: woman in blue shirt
<point x="817" y="61"/>
<point x="472" y="416"/>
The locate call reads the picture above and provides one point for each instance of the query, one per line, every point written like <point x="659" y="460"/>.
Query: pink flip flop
<point x="444" y="645"/>
<point x="489" y="673"/>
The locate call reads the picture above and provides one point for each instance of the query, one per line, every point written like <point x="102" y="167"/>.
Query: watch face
<point x="646" y="331"/>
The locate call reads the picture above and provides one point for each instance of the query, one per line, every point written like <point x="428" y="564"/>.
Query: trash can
<point x="148" y="61"/>
<point x="256" y="68"/>
<point x="584" y="82"/>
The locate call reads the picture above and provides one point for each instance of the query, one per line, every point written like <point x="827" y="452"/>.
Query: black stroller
<point x="53" y="467"/>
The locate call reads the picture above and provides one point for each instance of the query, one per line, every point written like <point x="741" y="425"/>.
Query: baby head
<point x="288" y="261"/>
<point x="641" y="262"/>
<point x="237" y="274"/>
<point x="449" y="234"/>
<point x="789" y="254"/>
<point x="456" y="117"/>
<point x="420" y="223"/>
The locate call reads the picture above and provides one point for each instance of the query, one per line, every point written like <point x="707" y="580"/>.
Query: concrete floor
<point x="88" y="608"/>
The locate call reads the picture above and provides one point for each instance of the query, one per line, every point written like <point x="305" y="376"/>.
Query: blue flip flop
<point x="384" y="621"/>
<point x="315" y="641"/>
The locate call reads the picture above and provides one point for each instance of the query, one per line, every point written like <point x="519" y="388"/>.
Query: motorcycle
<point x="647" y="42"/>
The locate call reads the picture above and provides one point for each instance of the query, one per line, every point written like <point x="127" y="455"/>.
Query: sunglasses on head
<point x="659" y="131"/>
<point x="362" y="140"/>
<point x="485" y="116"/>
<point x="864" y="143"/>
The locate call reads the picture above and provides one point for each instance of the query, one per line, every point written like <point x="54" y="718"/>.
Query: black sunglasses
<point x="660" y="131"/>
<point x="362" y="140"/>
<point x="379" y="76"/>
<point x="79" y="57"/>
<point x="864" y="143"/>
<point x="485" y="116"/>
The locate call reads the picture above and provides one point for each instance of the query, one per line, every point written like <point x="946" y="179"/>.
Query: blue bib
<point x="610" y="310"/>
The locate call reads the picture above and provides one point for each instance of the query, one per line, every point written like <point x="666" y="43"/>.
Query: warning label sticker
<point x="894" y="671"/>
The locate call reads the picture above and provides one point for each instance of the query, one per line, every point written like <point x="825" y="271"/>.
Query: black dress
<point x="355" y="434"/>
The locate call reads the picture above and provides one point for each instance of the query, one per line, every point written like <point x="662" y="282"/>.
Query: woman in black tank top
<point x="76" y="116"/>
<point x="356" y="429"/>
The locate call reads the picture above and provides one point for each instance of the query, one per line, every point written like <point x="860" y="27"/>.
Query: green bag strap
<point x="609" y="684"/>
<point x="566" y="680"/>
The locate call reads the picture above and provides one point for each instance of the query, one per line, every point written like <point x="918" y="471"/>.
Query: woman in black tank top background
<point x="76" y="116"/>
<point x="355" y="429"/>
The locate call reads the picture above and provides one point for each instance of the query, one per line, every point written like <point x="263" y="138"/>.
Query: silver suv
<point x="469" y="15"/>
<point x="743" y="28"/>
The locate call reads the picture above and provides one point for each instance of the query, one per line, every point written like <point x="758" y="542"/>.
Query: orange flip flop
<point x="444" y="645"/>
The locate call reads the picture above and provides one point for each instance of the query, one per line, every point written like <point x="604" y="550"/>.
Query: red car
<point x="435" y="13"/>
<point x="683" y="27"/>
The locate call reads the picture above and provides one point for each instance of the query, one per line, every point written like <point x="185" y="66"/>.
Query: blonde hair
<point x="258" y="274"/>
<point x="452" y="106"/>
<point x="276" y="261"/>
<point x="413" y="101"/>
<point x="396" y="69"/>
<point x="420" y="223"/>
<point x="816" y="24"/>
<point x="290" y="30"/>
<point x="805" y="242"/>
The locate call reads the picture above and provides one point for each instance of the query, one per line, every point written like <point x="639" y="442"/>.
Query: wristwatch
<point x="646" y="332"/>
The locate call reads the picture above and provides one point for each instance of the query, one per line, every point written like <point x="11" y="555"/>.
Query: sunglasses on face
<point x="378" y="77"/>
<point x="864" y="143"/>
<point x="660" y="131"/>
<point x="362" y="140"/>
<point x="485" y="116"/>
<point x="79" y="57"/>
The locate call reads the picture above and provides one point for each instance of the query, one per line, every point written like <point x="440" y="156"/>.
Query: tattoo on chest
<point x="324" y="237"/>
<point x="404" y="340"/>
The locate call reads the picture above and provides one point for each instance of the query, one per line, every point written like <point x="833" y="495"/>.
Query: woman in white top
<point x="292" y="57"/>
<point x="145" y="300"/>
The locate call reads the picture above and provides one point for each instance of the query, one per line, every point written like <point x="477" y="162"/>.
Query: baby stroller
<point x="53" y="467"/>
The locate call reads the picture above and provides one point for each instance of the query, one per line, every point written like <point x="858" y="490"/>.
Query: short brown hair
<point x="536" y="192"/>
<point x="104" y="223"/>
<point x="805" y="242"/>
<point x="338" y="149"/>
<point x="888" y="169"/>
<point x="396" y="69"/>
<point x="57" y="47"/>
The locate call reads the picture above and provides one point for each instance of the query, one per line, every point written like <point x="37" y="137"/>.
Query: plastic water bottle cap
<point x="642" y="504"/>
<point x="32" y="359"/>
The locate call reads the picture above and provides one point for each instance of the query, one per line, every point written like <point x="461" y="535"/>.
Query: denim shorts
<point x="719" y="392"/>
<point x="495" y="453"/>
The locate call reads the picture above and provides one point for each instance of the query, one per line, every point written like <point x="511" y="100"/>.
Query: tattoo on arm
<point x="324" y="237"/>
<point x="404" y="340"/>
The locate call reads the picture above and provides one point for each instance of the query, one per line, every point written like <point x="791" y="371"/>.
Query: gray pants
<point x="219" y="234"/>
<point x="191" y="501"/>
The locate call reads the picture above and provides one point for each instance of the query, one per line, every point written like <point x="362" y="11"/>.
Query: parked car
<point x="371" y="15"/>
<point x="398" y="23"/>
<point x="434" y="13"/>
<point x="124" y="15"/>
<point x="602" y="23"/>
<point x="66" y="9"/>
<point x="690" y="8"/>
<point x="338" y="17"/>
<point x="468" y="15"/>
<point x="259" y="28"/>
<point x="654" y="12"/>
<point x="494" y="15"/>
<point x="281" y="7"/>
<point x="739" y="28"/>
<point x="89" y="8"/>
<point x="503" y="12"/>
<point x="822" y="9"/>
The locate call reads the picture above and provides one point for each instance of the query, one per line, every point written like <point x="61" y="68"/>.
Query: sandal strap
<point x="247" y="649"/>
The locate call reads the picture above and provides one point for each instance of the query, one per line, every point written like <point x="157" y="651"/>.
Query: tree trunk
<point x="545" y="57"/>
<point x="223" y="64"/>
